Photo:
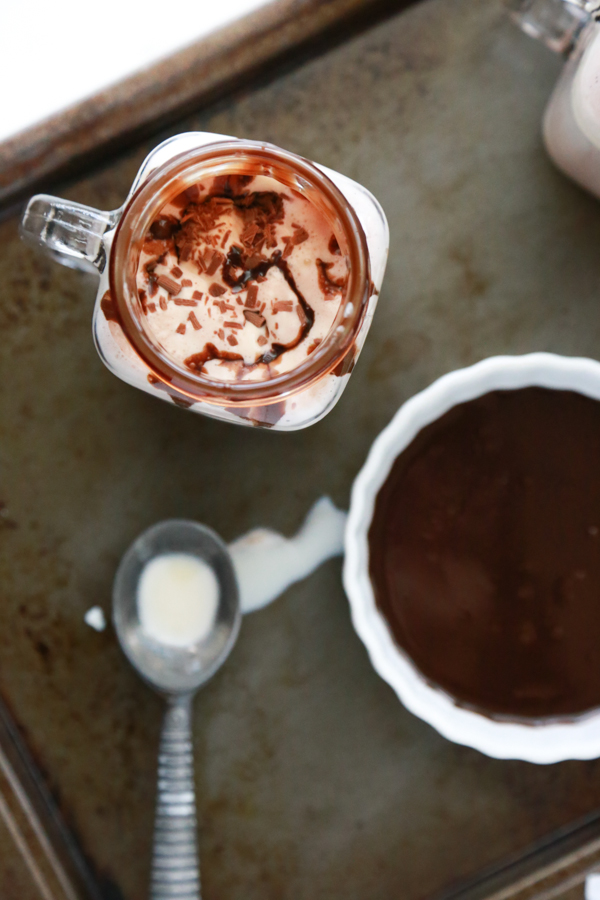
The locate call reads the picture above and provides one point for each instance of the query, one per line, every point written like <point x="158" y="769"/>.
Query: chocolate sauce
<point x="109" y="308"/>
<point x="485" y="553"/>
<point x="235" y="262"/>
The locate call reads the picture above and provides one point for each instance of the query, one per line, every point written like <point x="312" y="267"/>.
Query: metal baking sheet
<point x="277" y="36"/>
<point x="313" y="780"/>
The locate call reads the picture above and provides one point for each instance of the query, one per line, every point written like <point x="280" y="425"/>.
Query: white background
<point x="57" y="52"/>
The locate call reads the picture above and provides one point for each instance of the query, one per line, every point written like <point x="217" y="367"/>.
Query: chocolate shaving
<point x="254" y="317"/>
<point x="270" y="235"/>
<point x="301" y="315"/>
<point x="176" y="272"/>
<point x="231" y="340"/>
<point x="282" y="306"/>
<point x="216" y="290"/>
<point x="172" y="287"/>
<point x="180" y="328"/>
<point x="197" y="295"/>
<point x="223" y="306"/>
<point x="252" y="236"/>
<point x="162" y="303"/>
<point x="185" y="302"/>
<point x="191" y="241"/>
<point x="213" y="265"/>
<point x="232" y="325"/>
<point x="300" y="234"/>
<point x="261" y="340"/>
<point x="195" y="323"/>
<point x="186" y="282"/>
<point x="151" y="307"/>
<point x="186" y="251"/>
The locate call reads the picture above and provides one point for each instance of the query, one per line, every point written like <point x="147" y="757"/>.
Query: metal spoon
<point x="176" y="673"/>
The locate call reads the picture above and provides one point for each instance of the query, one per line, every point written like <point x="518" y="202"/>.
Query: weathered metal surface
<point x="277" y="36"/>
<point x="313" y="780"/>
<point x="556" y="867"/>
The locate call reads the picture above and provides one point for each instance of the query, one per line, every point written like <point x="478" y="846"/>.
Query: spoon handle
<point x="175" y="868"/>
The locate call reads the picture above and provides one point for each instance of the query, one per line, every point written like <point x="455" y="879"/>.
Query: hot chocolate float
<point x="238" y="280"/>
<point x="241" y="278"/>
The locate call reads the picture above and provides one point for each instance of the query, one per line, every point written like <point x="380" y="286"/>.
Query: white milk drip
<point x="265" y="562"/>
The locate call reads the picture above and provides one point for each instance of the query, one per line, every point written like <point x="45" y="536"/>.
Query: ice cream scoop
<point x="176" y="626"/>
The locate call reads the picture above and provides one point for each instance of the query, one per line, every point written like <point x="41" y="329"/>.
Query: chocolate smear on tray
<point x="109" y="308"/>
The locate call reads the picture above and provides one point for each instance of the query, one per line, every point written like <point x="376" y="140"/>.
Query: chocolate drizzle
<point x="237" y="262"/>
<point x="196" y="361"/>
<point x="328" y="284"/>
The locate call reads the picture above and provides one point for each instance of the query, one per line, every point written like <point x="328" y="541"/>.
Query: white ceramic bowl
<point x="542" y="741"/>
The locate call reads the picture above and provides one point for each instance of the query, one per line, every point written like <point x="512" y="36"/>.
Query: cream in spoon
<point x="177" y="599"/>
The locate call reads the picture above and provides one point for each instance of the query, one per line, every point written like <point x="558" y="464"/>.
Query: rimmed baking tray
<point x="312" y="778"/>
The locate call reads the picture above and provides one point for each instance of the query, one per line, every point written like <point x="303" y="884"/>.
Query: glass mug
<point x="571" y="125"/>
<point x="320" y="284"/>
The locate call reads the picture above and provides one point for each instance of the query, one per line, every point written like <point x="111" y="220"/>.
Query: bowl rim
<point x="538" y="741"/>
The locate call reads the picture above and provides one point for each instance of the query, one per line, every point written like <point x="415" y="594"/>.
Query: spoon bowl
<point x="169" y="669"/>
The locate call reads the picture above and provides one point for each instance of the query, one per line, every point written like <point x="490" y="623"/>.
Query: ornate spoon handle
<point x="175" y="868"/>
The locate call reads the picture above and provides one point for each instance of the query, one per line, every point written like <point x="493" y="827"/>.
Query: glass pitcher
<point x="237" y="280"/>
<point x="571" y="125"/>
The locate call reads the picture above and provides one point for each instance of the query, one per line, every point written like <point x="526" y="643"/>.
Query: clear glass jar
<point x="268" y="393"/>
<point x="571" y="126"/>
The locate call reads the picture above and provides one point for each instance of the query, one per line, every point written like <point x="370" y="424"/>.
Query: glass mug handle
<point x="556" y="23"/>
<point x="69" y="232"/>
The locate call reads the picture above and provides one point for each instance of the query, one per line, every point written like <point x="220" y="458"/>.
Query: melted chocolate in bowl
<point x="485" y="553"/>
